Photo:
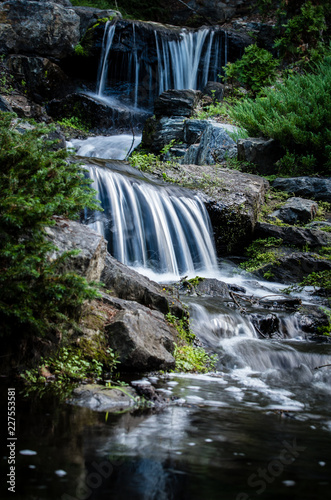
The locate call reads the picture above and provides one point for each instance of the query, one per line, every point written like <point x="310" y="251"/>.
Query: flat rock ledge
<point x="100" y="398"/>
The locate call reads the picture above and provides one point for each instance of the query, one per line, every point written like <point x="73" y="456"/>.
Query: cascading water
<point x="186" y="60"/>
<point x="164" y="229"/>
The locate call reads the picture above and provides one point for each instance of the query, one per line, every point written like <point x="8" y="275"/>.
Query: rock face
<point x="264" y="153"/>
<point x="296" y="211"/>
<point x="43" y="78"/>
<point x="69" y="235"/>
<point x="310" y="187"/>
<point x="42" y="28"/>
<point x="159" y="133"/>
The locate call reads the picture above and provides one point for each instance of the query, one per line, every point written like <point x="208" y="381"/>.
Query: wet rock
<point x="206" y="286"/>
<point x="312" y="317"/>
<point x="100" y="398"/>
<point x="266" y="325"/>
<point x="69" y="235"/>
<point x="141" y="337"/>
<point x="296" y="236"/>
<point x="127" y="284"/>
<point x="314" y="188"/>
<point x="193" y="130"/>
<point x="89" y="16"/>
<point x="42" y="28"/>
<point x="296" y="211"/>
<point x="264" y="153"/>
<point x="58" y="138"/>
<point x="96" y="114"/>
<point x="149" y="393"/>
<point x="44" y="79"/>
<point x="25" y="108"/>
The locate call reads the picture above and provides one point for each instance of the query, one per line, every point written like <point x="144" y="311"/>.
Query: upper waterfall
<point x="179" y="59"/>
<point x="160" y="228"/>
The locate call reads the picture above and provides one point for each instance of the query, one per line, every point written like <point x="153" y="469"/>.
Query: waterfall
<point x="160" y="228"/>
<point x="103" y="65"/>
<point x="184" y="60"/>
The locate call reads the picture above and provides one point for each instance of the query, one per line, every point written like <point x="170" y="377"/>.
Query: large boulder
<point x="38" y="28"/>
<point x="44" y="80"/>
<point x="89" y="16"/>
<point x="293" y="236"/>
<point x="159" y="133"/>
<point x="264" y="153"/>
<point x="141" y="337"/>
<point x="68" y="235"/>
<point x="314" y="188"/>
<point x="296" y="211"/>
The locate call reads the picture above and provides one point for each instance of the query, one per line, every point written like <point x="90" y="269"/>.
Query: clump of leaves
<point x="188" y="357"/>
<point x="75" y="123"/>
<point x="260" y="253"/>
<point x="36" y="296"/>
<point x="255" y="70"/>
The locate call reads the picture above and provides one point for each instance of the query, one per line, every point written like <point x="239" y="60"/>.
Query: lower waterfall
<point x="156" y="227"/>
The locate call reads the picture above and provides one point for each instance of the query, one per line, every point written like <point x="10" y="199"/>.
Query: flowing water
<point x="258" y="427"/>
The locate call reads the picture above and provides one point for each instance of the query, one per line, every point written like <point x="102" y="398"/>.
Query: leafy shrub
<point x="36" y="183"/>
<point x="297" y="113"/>
<point x="188" y="357"/>
<point x="302" y="27"/>
<point x="73" y="122"/>
<point x="256" y="69"/>
<point x="262" y="252"/>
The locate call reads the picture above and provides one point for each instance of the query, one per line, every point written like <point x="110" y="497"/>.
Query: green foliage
<point x="262" y="252"/>
<point x="302" y="28"/>
<point x="146" y="162"/>
<point x="256" y="69"/>
<point x="297" y="113"/>
<point x="188" y="357"/>
<point x="216" y="109"/>
<point x="73" y="122"/>
<point x="325" y="330"/>
<point x="36" y="183"/>
<point x="80" y="51"/>
<point x="318" y="280"/>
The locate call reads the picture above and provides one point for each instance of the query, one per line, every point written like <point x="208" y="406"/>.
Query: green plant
<point x="255" y="70"/>
<point x="297" y="114"/>
<point x="188" y="357"/>
<point x="37" y="296"/>
<point x="146" y="162"/>
<point x="318" y="280"/>
<point x="80" y="51"/>
<point x="260" y="253"/>
<point x="73" y="122"/>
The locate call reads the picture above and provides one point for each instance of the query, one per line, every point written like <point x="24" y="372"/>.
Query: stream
<point x="257" y="427"/>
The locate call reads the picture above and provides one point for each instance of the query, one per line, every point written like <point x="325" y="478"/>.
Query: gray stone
<point x="193" y="130"/>
<point x="214" y="146"/>
<point x="314" y="188"/>
<point x="100" y="398"/>
<point x="264" y="153"/>
<point x="127" y="284"/>
<point x="5" y="106"/>
<point x="141" y="337"/>
<point x="177" y="103"/>
<point x="89" y="16"/>
<point x="69" y="235"/>
<point x="296" y="236"/>
<point x="296" y="211"/>
<point x="37" y="28"/>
